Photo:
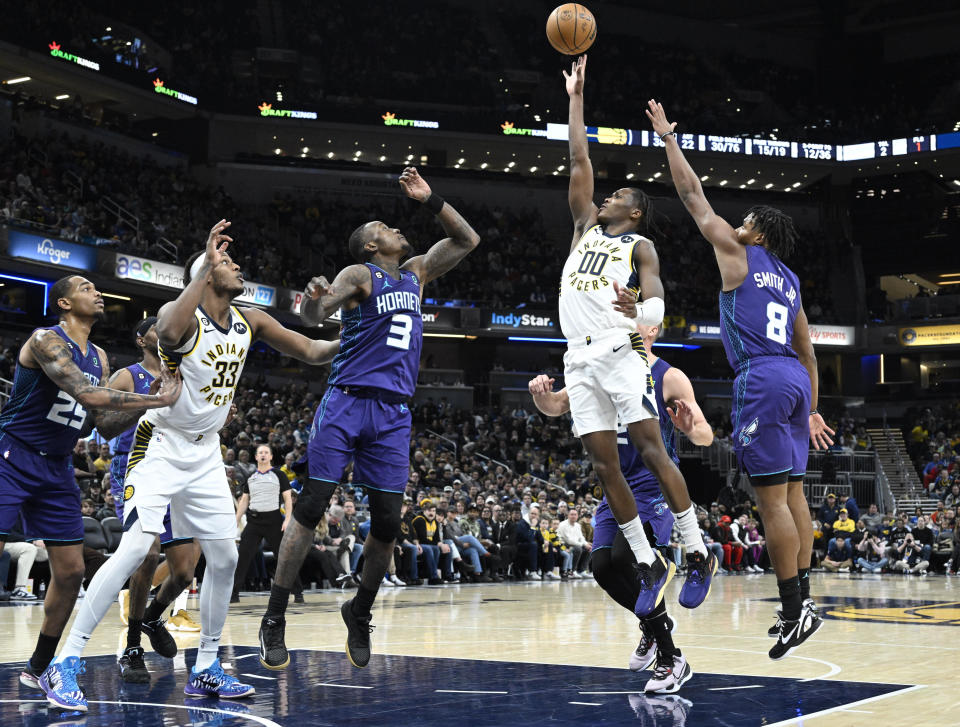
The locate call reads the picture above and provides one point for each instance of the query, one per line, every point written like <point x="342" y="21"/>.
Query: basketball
<point x="571" y="29"/>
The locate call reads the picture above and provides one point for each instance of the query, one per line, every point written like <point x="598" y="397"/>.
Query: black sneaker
<point x="160" y="639"/>
<point x="794" y="633"/>
<point x="774" y="631"/>
<point x="358" y="635"/>
<point x="29" y="677"/>
<point x="132" y="668"/>
<point x="298" y="598"/>
<point x="273" y="652"/>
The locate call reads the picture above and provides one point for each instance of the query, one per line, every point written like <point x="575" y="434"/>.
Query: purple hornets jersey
<point x="142" y="379"/>
<point x="41" y="416"/>
<point x="757" y="317"/>
<point x="635" y="472"/>
<point x="381" y="338"/>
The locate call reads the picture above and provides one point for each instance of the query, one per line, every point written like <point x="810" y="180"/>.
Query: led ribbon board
<point x="56" y="52"/>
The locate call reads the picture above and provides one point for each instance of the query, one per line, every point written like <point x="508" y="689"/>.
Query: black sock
<point x="155" y="610"/>
<point x="363" y="601"/>
<point x="279" y="598"/>
<point x="44" y="653"/>
<point x="804" y="575"/>
<point x="133" y="633"/>
<point x="659" y="624"/>
<point x="790" y="598"/>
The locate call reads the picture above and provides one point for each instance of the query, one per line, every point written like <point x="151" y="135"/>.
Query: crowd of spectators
<point x="933" y="442"/>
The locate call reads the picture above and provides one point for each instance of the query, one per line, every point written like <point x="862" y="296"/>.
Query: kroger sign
<point x="53" y="252"/>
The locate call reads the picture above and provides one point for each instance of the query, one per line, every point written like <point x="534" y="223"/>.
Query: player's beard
<point x="407" y="250"/>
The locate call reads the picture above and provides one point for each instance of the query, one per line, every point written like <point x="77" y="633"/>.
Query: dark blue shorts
<point x="118" y="473"/>
<point x="43" y="490"/>
<point x="653" y="511"/>
<point x="771" y="417"/>
<point x="375" y="435"/>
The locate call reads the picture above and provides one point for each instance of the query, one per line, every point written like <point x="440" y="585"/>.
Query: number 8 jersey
<point x="210" y="364"/>
<point x="756" y="318"/>
<point x="586" y="288"/>
<point x="39" y="414"/>
<point x="382" y="337"/>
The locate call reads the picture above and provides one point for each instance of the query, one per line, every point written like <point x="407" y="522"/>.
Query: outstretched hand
<point x="681" y="414"/>
<point x="217" y="243"/>
<point x="658" y="118"/>
<point x="575" y="78"/>
<point x="626" y="301"/>
<point x="414" y="185"/>
<point x="819" y="432"/>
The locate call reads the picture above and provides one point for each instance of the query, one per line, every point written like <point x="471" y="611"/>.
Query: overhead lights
<point x="155" y="134"/>
<point x="533" y="169"/>
<point x="561" y="168"/>
<point x="383" y="158"/>
<point x="658" y="175"/>
<point x="409" y="157"/>
<point x="787" y="189"/>
<point x="19" y="79"/>
<point x="357" y="153"/>
<point x="630" y="175"/>
<point x="306" y="150"/>
<point x="705" y="177"/>
<point x="484" y="165"/>
<point x="329" y="155"/>
<point x="277" y="151"/>
<point x="512" y="164"/>
<point x="63" y="96"/>
<point x="723" y="182"/>
<point x="506" y="169"/>
<point x="796" y="184"/>
<point x="751" y="181"/>
<point x="768" y="185"/>
<point x="461" y="160"/>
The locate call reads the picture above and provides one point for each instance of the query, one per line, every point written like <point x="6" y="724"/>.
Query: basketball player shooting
<point x="606" y="369"/>
<point x="364" y="415"/>
<point x="765" y="334"/>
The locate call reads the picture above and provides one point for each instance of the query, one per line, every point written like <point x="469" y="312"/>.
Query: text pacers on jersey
<point x="594" y="255"/>
<point x="225" y="376"/>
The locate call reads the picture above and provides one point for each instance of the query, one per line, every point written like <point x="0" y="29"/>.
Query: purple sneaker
<point x="700" y="572"/>
<point x="215" y="682"/>
<point x="59" y="683"/>
<point x="653" y="579"/>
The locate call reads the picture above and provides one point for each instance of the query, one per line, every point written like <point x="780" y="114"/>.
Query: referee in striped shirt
<point x="262" y="494"/>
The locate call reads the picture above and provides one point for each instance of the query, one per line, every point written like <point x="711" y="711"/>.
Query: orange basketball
<point x="571" y="29"/>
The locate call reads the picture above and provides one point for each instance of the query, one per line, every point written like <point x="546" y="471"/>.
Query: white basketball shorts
<point x="608" y="382"/>
<point x="184" y="472"/>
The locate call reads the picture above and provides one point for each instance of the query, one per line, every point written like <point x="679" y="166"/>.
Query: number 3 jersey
<point x="586" y="288"/>
<point x="381" y="338"/>
<point x="756" y="318"/>
<point x="40" y="415"/>
<point x="210" y="364"/>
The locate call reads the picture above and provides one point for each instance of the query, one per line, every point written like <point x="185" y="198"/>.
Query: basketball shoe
<point x="181" y="621"/>
<point x="358" y="635"/>
<point x="669" y="675"/>
<point x="132" y="668"/>
<point x="700" y="572"/>
<point x="214" y="681"/>
<point x="653" y="579"/>
<point x="646" y="651"/>
<point x="273" y="651"/>
<point x="794" y="633"/>
<point x="59" y="683"/>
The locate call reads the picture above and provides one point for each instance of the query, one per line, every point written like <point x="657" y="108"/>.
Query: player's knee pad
<point x="385" y="515"/>
<point x="313" y="501"/>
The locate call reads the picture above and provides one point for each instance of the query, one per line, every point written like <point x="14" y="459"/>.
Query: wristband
<point x="434" y="203"/>
<point x="669" y="133"/>
<point x="814" y="411"/>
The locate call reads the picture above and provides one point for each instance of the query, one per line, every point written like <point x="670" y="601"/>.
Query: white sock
<point x="73" y="646"/>
<point x="637" y="539"/>
<point x="179" y="603"/>
<point x="221" y="558"/>
<point x="690" y="530"/>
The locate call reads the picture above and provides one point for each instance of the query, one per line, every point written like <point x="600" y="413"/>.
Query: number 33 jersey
<point x="381" y="338"/>
<point x="586" y="288"/>
<point x="757" y="317"/>
<point x="39" y="414"/>
<point x="210" y="364"/>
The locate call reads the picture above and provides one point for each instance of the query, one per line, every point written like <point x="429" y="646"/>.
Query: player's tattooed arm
<point x="110" y="424"/>
<point x="322" y="299"/>
<point x="580" y="192"/>
<point x="550" y="402"/>
<point x="50" y="352"/>
<point x="291" y="343"/>
<point x="444" y="255"/>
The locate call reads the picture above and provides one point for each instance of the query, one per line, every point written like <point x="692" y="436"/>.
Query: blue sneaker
<point x="653" y="579"/>
<point x="700" y="572"/>
<point x="214" y="681"/>
<point x="59" y="683"/>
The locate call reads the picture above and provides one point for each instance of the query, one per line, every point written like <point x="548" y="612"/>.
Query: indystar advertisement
<point x="166" y="275"/>
<point x="440" y="319"/>
<point x="705" y="330"/>
<point x="930" y="336"/>
<point x="822" y="335"/>
<point x="523" y="320"/>
<point x="53" y="252"/>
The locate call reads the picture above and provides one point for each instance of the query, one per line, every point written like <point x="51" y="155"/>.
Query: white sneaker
<point x="21" y="594"/>
<point x="396" y="581"/>
<point x="757" y="569"/>
<point x="551" y="576"/>
<point x="535" y="576"/>
<point x="843" y="570"/>
<point x="387" y="582"/>
<point x="668" y="678"/>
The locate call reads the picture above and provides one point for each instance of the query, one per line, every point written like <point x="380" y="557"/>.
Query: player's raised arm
<point x="550" y="402"/>
<point x="322" y="299"/>
<point x="580" y="194"/>
<point x="685" y="412"/>
<point x="819" y="431"/>
<point x="176" y="320"/>
<point x="731" y="255"/>
<point x="50" y="352"/>
<point x="461" y="238"/>
<point x="266" y="328"/>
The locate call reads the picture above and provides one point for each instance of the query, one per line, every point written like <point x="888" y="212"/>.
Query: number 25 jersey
<point x="210" y="365"/>
<point x="586" y="288"/>
<point x="382" y="337"/>
<point x="757" y="317"/>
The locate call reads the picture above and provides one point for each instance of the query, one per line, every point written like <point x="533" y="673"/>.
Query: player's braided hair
<point x="647" y="227"/>
<point x="356" y="244"/>
<point x="777" y="228"/>
<point x="61" y="289"/>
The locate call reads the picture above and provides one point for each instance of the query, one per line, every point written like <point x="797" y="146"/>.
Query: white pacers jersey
<point x="210" y="365"/>
<point x="586" y="288"/>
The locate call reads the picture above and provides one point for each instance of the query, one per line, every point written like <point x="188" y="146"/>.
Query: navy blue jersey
<point x="757" y="317"/>
<point x="40" y="415"/>
<point x="381" y="338"/>
<point x="641" y="480"/>
<point x="142" y="379"/>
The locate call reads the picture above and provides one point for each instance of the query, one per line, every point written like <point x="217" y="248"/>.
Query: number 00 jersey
<point x="586" y="288"/>
<point x="381" y="338"/>
<point x="42" y="416"/>
<point x="210" y="365"/>
<point x="756" y="318"/>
